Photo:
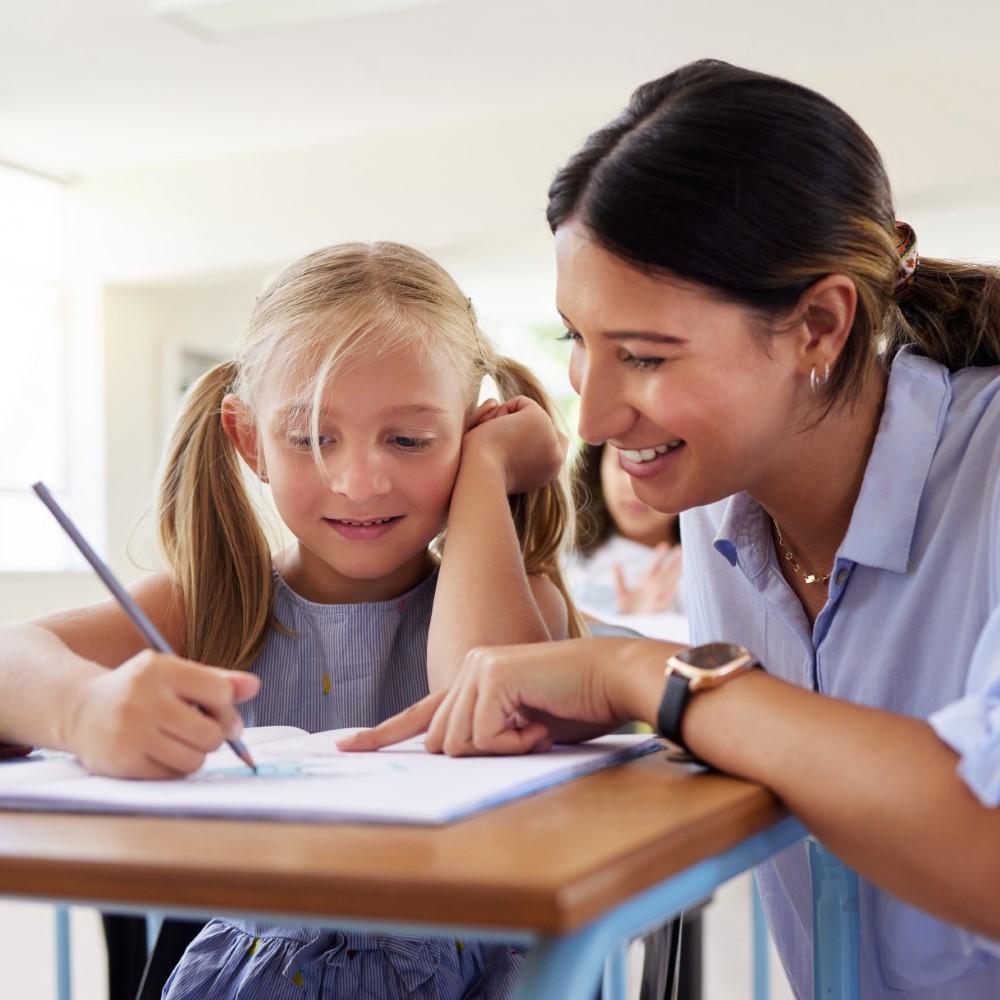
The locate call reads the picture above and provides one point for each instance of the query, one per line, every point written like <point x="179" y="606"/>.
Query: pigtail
<point x="544" y="520"/>
<point x="209" y="532"/>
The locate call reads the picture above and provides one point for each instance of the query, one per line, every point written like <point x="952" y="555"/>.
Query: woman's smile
<point x="648" y="463"/>
<point x="648" y="454"/>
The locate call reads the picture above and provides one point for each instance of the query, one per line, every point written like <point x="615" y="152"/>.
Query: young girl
<point x="628" y="555"/>
<point x="355" y="398"/>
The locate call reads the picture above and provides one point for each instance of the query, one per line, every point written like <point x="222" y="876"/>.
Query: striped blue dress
<point x="340" y="665"/>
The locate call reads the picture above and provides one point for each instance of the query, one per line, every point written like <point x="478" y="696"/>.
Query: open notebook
<point x="304" y="776"/>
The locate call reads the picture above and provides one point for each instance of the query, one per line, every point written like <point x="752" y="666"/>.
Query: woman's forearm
<point x="879" y="789"/>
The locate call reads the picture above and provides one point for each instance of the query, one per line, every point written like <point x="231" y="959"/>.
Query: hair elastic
<point x="906" y="248"/>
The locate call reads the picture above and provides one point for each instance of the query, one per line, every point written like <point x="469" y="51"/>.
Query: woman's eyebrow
<point x="645" y="336"/>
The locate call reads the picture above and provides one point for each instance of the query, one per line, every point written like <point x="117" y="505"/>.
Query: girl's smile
<point x="363" y="530"/>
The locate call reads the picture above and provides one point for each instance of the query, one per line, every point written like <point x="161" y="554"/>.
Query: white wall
<point x="141" y="330"/>
<point x="175" y="255"/>
<point x="474" y="187"/>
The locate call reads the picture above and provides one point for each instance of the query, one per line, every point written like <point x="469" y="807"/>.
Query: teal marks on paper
<point x="328" y="766"/>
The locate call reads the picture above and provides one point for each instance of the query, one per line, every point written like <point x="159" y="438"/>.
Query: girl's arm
<point x="58" y="689"/>
<point x="484" y="597"/>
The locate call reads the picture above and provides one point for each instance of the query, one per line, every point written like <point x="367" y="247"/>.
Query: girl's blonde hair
<point x="318" y="314"/>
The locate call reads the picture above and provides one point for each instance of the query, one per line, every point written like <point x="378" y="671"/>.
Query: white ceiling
<point x="88" y="86"/>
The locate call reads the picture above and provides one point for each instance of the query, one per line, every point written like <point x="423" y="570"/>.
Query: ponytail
<point x="545" y="519"/>
<point x="950" y="312"/>
<point x="209" y="533"/>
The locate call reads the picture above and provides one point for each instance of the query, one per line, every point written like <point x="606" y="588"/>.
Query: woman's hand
<point x="520" y="699"/>
<point x="657" y="589"/>
<point x="522" y="438"/>
<point x="155" y="716"/>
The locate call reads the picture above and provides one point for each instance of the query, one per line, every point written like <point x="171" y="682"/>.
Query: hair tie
<point x="906" y="249"/>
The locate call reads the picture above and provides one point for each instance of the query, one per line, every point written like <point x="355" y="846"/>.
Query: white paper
<point x="667" y="625"/>
<point x="305" y="777"/>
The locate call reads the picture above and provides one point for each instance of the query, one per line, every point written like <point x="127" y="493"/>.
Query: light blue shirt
<point x="911" y="625"/>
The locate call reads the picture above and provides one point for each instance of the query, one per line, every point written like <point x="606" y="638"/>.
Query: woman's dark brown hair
<point x="755" y="187"/>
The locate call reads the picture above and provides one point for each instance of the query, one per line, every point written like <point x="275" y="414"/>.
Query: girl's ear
<point x="238" y="423"/>
<point x="827" y="308"/>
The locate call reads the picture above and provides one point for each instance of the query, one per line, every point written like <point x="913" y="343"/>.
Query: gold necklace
<point x="791" y="560"/>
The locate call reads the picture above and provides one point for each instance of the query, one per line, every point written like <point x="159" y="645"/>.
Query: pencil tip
<point x="243" y="754"/>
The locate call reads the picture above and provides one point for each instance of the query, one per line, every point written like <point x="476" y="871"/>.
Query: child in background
<point x="627" y="559"/>
<point x="355" y="397"/>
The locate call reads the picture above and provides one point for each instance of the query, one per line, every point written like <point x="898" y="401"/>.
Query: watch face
<point x="712" y="655"/>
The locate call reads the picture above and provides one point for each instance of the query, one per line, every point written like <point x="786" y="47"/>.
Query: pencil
<point x="146" y="628"/>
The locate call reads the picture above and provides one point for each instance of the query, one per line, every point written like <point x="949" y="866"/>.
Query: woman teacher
<point x="754" y="331"/>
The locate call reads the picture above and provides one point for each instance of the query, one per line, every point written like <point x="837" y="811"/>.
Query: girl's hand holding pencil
<point x="156" y="716"/>
<point x="149" y="719"/>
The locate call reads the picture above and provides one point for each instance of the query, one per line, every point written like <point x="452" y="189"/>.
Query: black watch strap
<point x="668" y="718"/>
<point x="672" y="705"/>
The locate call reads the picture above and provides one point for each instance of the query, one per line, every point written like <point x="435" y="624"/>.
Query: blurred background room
<point x="161" y="159"/>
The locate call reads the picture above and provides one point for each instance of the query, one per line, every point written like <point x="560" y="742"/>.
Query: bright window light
<point x="34" y="370"/>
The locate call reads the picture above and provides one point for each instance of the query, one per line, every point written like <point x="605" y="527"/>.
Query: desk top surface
<point x="548" y="863"/>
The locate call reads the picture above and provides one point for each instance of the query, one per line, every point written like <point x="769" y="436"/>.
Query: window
<point x="35" y="364"/>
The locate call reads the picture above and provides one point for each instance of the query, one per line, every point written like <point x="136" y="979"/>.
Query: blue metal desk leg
<point x="615" y="983"/>
<point x="570" y="966"/>
<point x="154" y="921"/>
<point x="64" y="990"/>
<point x="761" y="941"/>
<point x="835" y="926"/>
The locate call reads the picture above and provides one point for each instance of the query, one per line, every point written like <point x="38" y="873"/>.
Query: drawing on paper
<point x="290" y="764"/>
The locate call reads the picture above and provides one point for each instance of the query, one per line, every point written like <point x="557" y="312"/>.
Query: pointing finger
<point x="410" y="722"/>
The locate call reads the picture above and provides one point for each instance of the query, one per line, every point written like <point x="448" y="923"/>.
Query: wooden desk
<point x="573" y="871"/>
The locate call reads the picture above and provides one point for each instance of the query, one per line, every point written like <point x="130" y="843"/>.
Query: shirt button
<point x="841" y="577"/>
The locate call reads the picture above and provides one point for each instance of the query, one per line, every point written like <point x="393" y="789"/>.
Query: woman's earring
<point x="263" y="474"/>
<point x="814" y="381"/>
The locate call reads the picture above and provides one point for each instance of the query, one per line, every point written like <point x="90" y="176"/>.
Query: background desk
<point x="573" y="871"/>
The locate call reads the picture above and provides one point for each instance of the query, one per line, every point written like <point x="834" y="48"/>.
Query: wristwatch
<point x="700" y="668"/>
